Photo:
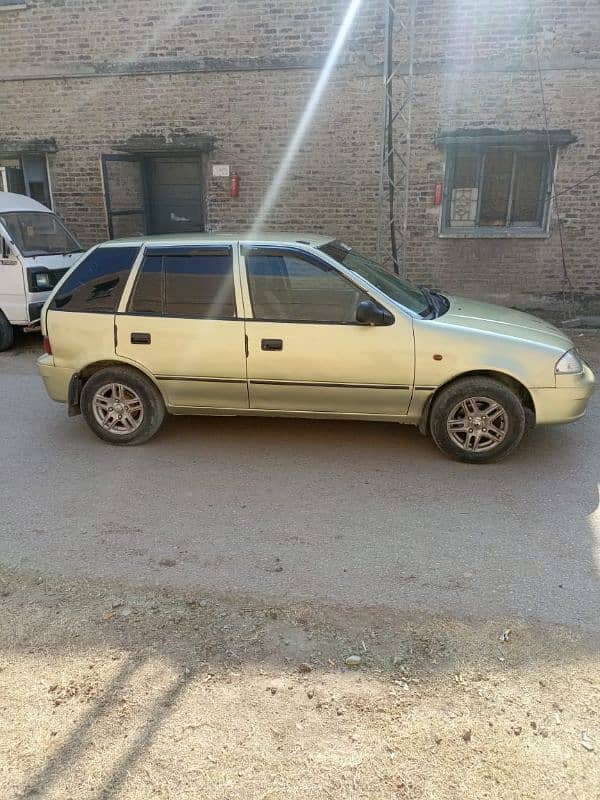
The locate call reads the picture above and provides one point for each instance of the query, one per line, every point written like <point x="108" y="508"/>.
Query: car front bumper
<point x="567" y="402"/>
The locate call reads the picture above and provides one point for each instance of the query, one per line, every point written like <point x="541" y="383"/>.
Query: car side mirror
<point x="370" y="313"/>
<point x="6" y="254"/>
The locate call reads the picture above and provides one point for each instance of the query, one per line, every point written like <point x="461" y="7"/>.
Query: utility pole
<point x="394" y="181"/>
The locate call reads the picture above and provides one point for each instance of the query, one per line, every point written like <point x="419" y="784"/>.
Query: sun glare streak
<point x="305" y="120"/>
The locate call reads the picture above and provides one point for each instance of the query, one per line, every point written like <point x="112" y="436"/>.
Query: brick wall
<point x="92" y="75"/>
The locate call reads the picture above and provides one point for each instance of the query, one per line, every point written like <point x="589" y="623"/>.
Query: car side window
<point x="97" y="283"/>
<point x="179" y="282"/>
<point x="147" y="295"/>
<point x="288" y="287"/>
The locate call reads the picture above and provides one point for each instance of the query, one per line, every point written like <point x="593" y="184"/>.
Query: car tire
<point x="121" y="406"/>
<point x="7" y="333"/>
<point x="477" y="420"/>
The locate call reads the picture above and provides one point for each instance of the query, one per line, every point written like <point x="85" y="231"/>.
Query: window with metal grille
<point x="498" y="183"/>
<point x="496" y="189"/>
<point x="26" y="174"/>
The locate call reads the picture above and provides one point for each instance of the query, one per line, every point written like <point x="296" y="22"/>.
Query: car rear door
<point x="307" y="353"/>
<point x="181" y="324"/>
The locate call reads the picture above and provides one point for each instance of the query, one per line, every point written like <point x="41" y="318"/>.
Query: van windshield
<point x="38" y="233"/>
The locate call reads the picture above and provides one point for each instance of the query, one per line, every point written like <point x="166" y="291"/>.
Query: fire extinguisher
<point x="234" y="185"/>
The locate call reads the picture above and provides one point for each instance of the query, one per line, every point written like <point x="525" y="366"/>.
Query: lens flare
<point x="284" y="167"/>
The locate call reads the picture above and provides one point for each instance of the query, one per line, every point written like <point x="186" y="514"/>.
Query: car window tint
<point x="199" y="286"/>
<point x="264" y="265"/>
<point x="147" y="294"/>
<point x="287" y="287"/>
<point x="97" y="282"/>
<point x="186" y="284"/>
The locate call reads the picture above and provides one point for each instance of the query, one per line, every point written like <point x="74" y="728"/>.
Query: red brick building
<point x="141" y="107"/>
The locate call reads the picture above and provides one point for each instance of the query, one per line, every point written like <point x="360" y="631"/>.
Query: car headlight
<point x="569" y="364"/>
<point x="41" y="281"/>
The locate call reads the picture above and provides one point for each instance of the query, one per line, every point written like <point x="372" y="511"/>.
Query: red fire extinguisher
<point x="234" y="185"/>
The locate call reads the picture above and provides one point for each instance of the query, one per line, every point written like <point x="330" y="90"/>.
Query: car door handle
<point x="271" y="344"/>
<point x="140" y="338"/>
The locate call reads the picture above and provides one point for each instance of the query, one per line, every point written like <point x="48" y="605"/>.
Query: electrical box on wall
<point x="220" y="170"/>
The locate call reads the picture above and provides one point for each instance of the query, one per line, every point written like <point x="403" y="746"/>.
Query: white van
<point x="35" y="252"/>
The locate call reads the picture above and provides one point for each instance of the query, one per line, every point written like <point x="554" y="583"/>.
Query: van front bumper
<point x="56" y="379"/>
<point x="567" y="402"/>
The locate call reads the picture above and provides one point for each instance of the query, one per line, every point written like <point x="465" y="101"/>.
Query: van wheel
<point x="477" y="420"/>
<point x="121" y="406"/>
<point x="7" y="333"/>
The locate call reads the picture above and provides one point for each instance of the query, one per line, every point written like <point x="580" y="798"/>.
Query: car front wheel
<point x="121" y="406"/>
<point x="477" y="420"/>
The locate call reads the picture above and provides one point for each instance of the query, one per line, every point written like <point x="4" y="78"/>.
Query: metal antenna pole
<point x="394" y="177"/>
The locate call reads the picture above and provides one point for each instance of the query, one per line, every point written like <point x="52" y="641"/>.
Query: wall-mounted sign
<point x="220" y="170"/>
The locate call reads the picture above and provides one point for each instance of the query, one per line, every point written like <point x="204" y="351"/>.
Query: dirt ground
<point x="109" y="690"/>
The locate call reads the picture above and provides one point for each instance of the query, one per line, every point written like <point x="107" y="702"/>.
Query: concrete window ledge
<point x="502" y="233"/>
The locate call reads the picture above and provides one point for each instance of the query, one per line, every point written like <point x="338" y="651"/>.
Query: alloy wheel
<point x="117" y="408"/>
<point x="477" y="424"/>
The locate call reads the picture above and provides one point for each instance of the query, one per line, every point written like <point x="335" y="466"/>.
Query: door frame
<point x="145" y="163"/>
<point x="105" y="160"/>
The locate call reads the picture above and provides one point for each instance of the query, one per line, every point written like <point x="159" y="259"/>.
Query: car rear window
<point x="97" y="282"/>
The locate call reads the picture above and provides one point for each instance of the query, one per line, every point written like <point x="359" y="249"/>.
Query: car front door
<point x="307" y="352"/>
<point x="13" y="297"/>
<point x="181" y="324"/>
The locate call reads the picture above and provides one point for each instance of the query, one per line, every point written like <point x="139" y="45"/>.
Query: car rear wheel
<point x="7" y="333"/>
<point x="477" y="420"/>
<point x="121" y="406"/>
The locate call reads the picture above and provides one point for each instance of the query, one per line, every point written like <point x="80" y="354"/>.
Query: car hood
<point x="490" y="318"/>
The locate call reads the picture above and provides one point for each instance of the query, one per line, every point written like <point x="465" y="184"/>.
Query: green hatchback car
<point x="300" y="326"/>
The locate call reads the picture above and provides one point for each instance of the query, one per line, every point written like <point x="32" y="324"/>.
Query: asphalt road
<point x="358" y="514"/>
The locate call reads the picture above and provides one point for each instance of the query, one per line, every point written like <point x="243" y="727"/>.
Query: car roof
<point x="9" y="201"/>
<point x="311" y="239"/>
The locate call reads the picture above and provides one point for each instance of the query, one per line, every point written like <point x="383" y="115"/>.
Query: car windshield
<point x="39" y="233"/>
<point x="393" y="286"/>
